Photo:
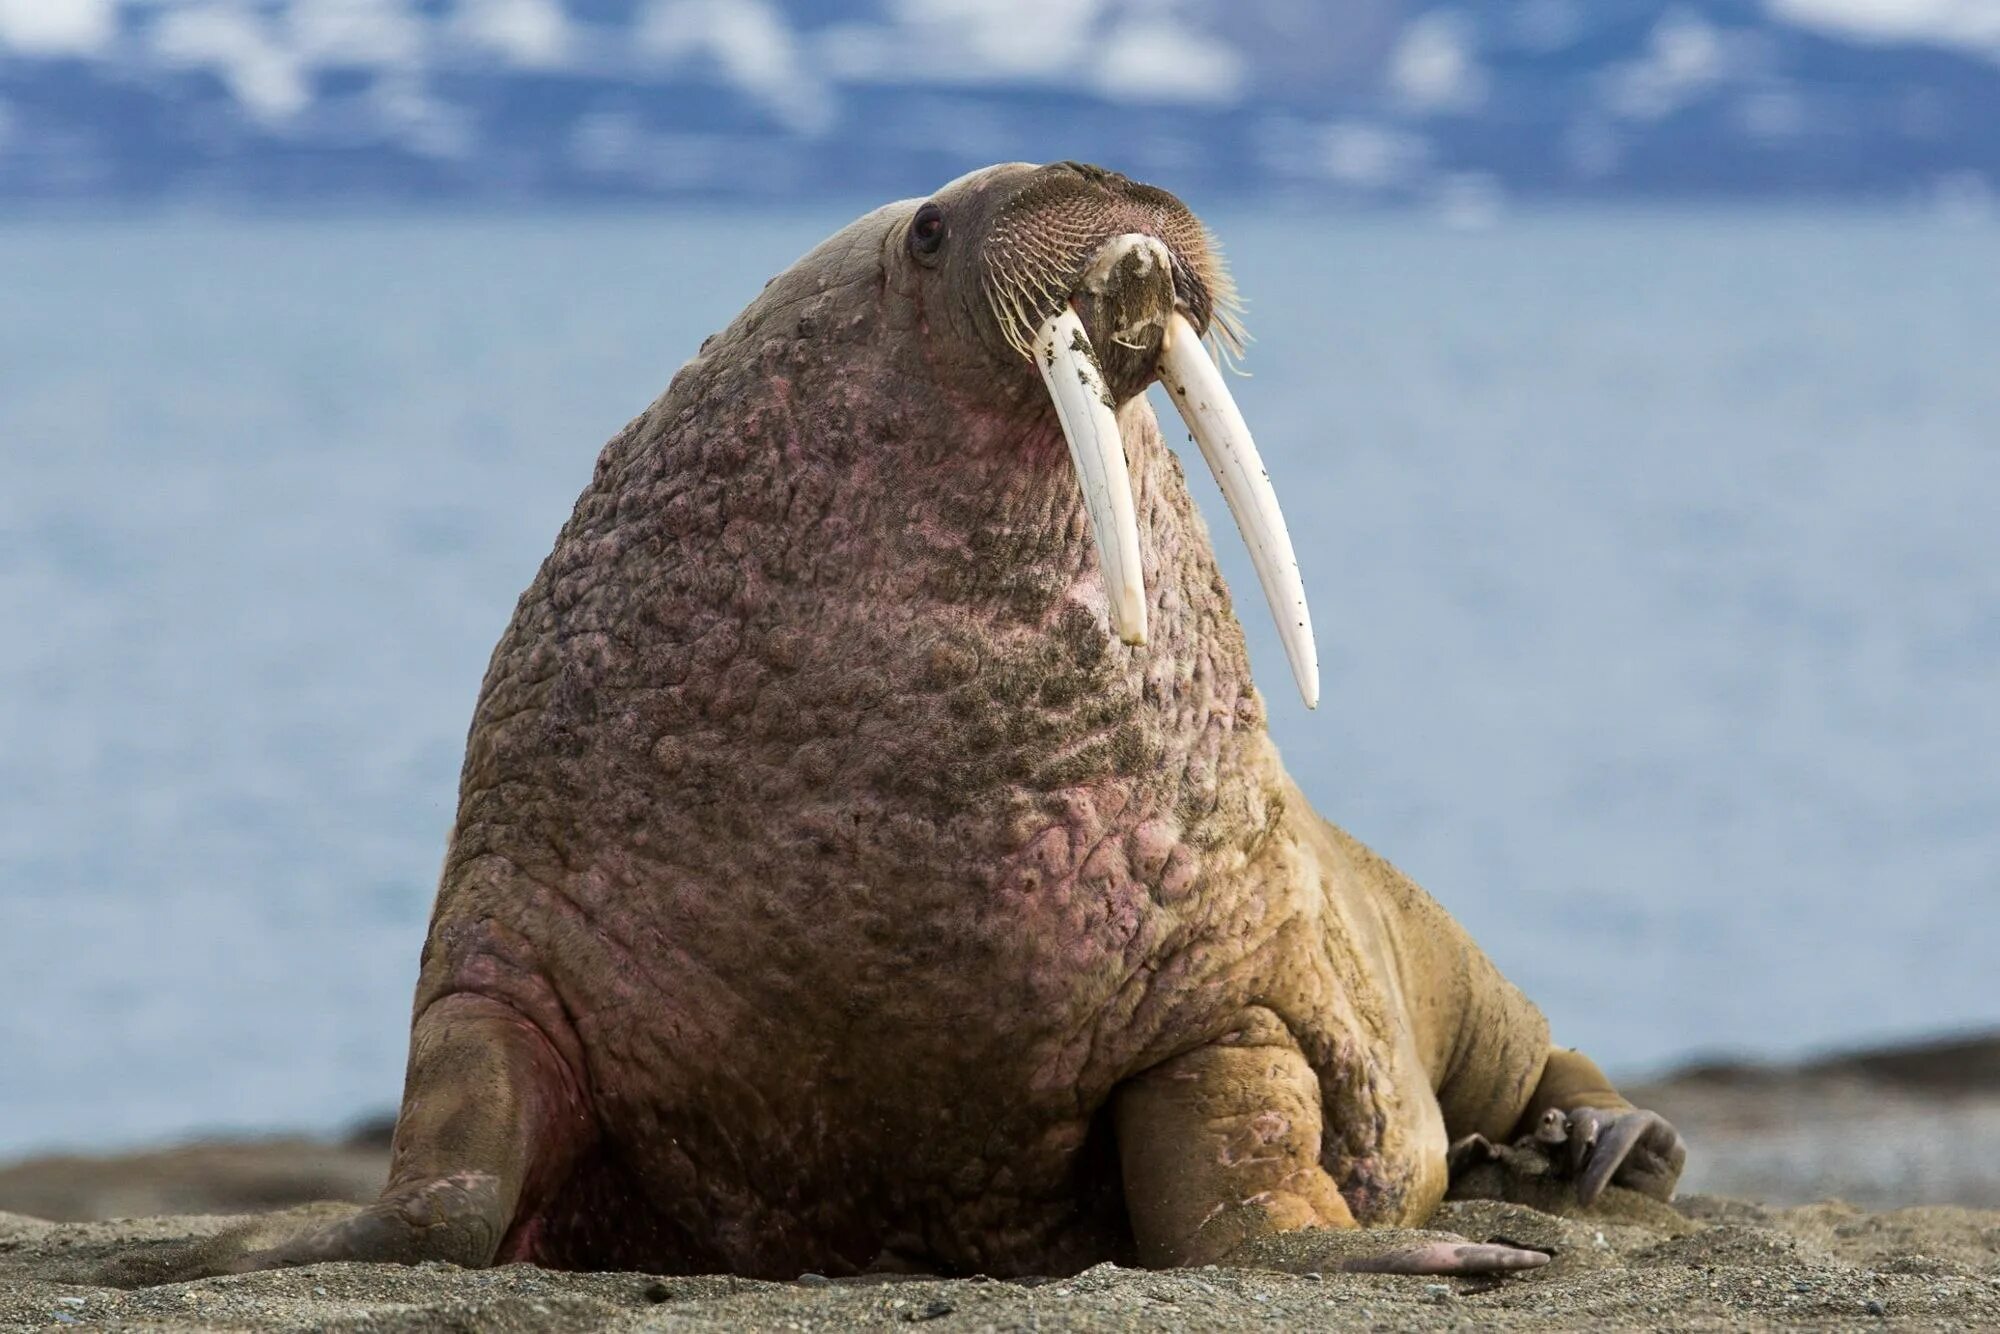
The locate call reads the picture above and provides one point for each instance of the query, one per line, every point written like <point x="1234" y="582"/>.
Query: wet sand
<point x="1885" y="1130"/>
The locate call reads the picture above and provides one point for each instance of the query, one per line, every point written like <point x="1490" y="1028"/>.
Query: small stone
<point x="318" y="1291"/>
<point x="1875" y="1308"/>
<point x="1437" y="1292"/>
<point x="933" y="1310"/>
<point x="812" y="1280"/>
<point x="657" y="1292"/>
<point x="73" y="1301"/>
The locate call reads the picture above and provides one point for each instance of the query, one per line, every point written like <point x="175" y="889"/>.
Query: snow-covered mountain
<point x="312" y="100"/>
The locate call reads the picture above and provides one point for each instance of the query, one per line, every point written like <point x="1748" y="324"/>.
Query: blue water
<point x="1656" y="563"/>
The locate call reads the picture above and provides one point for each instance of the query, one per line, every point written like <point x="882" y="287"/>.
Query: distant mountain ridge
<point x="271" y="101"/>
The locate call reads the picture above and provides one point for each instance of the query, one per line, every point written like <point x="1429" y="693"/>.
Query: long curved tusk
<point x="1211" y="414"/>
<point x="1083" y="405"/>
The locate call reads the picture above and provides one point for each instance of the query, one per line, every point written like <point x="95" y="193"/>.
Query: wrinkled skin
<point x="831" y="891"/>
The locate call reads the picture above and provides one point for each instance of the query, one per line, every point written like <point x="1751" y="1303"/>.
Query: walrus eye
<point x="927" y="230"/>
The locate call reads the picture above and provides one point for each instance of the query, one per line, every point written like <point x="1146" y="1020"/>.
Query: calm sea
<point x="1655" y="559"/>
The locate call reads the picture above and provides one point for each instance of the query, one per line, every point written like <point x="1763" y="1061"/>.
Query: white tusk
<point x="1205" y="404"/>
<point x="1083" y="404"/>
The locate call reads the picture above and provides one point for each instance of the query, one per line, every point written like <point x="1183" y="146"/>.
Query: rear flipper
<point x="1578" y="1129"/>
<point x="1220" y="1154"/>
<point x="491" y="1121"/>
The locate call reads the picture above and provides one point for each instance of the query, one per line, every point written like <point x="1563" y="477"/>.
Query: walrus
<point x="870" y="852"/>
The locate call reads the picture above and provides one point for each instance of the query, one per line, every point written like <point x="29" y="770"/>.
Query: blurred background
<point x="1628" y="370"/>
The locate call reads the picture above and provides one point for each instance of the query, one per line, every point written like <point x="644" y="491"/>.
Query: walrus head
<point x="1104" y="285"/>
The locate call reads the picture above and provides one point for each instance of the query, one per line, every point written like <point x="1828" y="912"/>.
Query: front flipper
<point x="1220" y="1150"/>
<point x="490" y="1119"/>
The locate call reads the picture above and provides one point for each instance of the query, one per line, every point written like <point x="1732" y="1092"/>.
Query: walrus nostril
<point x="1125" y="298"/>
<point x="1126" y="259"/>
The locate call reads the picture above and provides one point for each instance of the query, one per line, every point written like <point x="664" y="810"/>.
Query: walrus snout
<point x="1047" y="245"/>
<point x="1119" y="282"/>
<point x="1105" y="285"/>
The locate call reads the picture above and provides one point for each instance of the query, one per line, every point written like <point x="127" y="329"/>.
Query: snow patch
<point x="526" y="34"/>
<point x="1367" y="156"/>
<point x="1140" y="51"/>
<point x="420" y="121"/>
<point x="57" y="27"/>
<point x="1773" y="115"/>
<point x="965" y="42"/>
<point x="262" y="73"/>
<point x="354" y="32"/>
<point x="753" y="47"/>
<point x="1685" y="57"/>
<point x="1963" y="23"/>
<point x="1158" y="60"/>
<point x="1435" y="67"/>
<point x="1548" y="25"/>
<point x="1005" y="39"/>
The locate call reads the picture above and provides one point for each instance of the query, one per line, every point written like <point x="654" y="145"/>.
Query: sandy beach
<point x="1876" y="1176"/>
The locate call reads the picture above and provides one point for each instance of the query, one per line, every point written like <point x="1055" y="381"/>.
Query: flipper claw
<point x="1352" y="1250"/>
<point x="1448" y="1257"/>
<point x="1635" y="1148"/>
